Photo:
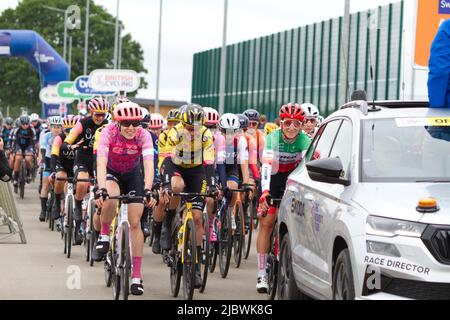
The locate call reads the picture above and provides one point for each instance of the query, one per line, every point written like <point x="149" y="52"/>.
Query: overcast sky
<point x="197" y="25"/>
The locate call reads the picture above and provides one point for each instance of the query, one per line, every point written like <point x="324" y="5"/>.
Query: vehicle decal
<point x="396" y="264"/>
<point x="423" y="122"/>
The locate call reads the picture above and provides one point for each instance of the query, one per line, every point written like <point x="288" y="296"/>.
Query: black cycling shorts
<point x="84" y="163"/>
<point x="278" y="184"/>
<point x="130" y="182"/>
<point x="194" y="181"/>
<point x="28" y="150"/>
<point x="65" y="168"/>
<point x="233" y="173"/>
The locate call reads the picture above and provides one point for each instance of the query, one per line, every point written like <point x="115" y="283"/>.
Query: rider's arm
<point x="102" y="157"/>
<point x="208" y="157"/>
<point x="56" y="149"/>
<point x="243" y="158"/>
<point x="74" y="133"/>
<point x="148" y="158"/>
<point x="253" y="157"/>
<point x="162" y="142"/>
<point x="266" y="169"/>
<point x="219" y="145"/>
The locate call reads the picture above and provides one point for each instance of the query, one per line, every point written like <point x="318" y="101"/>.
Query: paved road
<point x="40" y="270"/>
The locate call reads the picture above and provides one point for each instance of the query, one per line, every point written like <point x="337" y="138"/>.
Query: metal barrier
<point x="9" y="215"/>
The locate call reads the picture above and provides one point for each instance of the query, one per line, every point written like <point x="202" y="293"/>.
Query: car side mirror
<point x="327" y="170"/>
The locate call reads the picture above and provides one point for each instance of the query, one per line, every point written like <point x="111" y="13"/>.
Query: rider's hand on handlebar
<point x="264" y="201"/>
<point x="100" y="196"/>
<point x="166" y="194"/>
<point x="150" y="201"/>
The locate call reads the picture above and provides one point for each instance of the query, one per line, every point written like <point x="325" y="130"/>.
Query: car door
<point x="324" y="206"/>
<point x="305" y="259"/>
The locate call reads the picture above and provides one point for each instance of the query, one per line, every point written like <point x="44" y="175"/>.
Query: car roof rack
<point x="397" y="104"/>
<point x="362" y="105"/>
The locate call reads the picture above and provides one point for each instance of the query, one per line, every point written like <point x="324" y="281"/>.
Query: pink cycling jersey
<point x="124" y="155"/>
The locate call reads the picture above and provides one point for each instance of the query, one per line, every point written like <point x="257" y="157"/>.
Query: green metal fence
<point x="303" y="65"/>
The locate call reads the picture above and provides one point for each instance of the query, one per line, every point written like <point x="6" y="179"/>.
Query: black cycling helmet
<point x="9" y="121"/>
<point x="252" y="114"/>
<point x="173" y="115"/>
<point x="24" y="120"/>
<point x="243" y="121"/>
<point x="193" y="115"/>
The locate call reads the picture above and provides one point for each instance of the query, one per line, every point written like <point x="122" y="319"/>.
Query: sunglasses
<point x="253" y="124"/>
<point x="126" y="124"/>
<point x="312" y="120"/>
<point x="288" y="123"/>
<point x="100" y="115"/>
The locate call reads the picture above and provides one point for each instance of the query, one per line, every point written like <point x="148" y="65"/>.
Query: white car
<point x="366" y="215"/>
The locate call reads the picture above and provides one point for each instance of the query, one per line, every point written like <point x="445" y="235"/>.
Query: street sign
<point x="430" y="15"/>
<point x="114" y="80"/>
<point x="66" y="89"/>
<point x="82" y="86"/>
<point x="49" y="95"/>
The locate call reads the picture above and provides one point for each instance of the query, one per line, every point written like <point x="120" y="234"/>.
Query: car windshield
<point x="406" y="150"/>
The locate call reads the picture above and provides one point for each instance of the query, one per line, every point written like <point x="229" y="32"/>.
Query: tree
<point x="20" y="85"/>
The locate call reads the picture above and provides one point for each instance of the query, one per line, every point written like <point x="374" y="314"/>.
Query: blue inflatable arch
<point x="52" y="68"/>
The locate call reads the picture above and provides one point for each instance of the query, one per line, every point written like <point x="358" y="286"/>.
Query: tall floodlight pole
<point x="158" y="67"/>
<point x="223" y="62"/>
<point x="343" y="83"/>
<point x="116" y="41"/>
<point x="86" y="39"/>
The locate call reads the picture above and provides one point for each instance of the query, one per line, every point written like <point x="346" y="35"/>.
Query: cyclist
<point x="5" y="169"/>
<point x="47" y="142"/>
<point x="282" y="154"/>
<point x="84" y="160"/>
<point x="156" y="124"/>
<point x="37" y="125"/>
<point x="119" y="172"/>
<point x="164" y="148"/>
<point x="62" y="162"/>
<point x="23" y="142"/>
<point x="6" y="136"/>
<point x="190" y="167"/>
<point x="311" y="121"/>
<point x="253" y="122"/>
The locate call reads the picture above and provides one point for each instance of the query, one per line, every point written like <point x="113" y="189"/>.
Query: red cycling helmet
<point x="292" y="111"/>
<point x="98" y="105"/>
<point x="211" y="117"/>
<point x="128" y="111"/>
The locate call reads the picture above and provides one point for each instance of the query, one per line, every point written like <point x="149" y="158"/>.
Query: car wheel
<point x="287" y="287"/>
<point x="343" y="285"/>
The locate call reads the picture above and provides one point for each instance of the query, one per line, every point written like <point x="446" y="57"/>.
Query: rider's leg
<point x="266" y="226"/>
<point x="81" y="190"/>
<point x="158" y="217"/>
<point x="108" y="213"/>
<point x="16" y="166"/>
<point x="137" y="237"/>
<point x="177" y="184"/>
<point x="59" y="191"/>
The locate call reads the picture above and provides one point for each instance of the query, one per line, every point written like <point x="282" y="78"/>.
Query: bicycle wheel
<point x="108" y="270"/>
<point x="225" y="242"/>
<point x="49" y="216"/>
<point x="151" y="224"/>
<point x="22" y="178"/>
<point x="189" y="260"/>
<point x="203" y="261"/>
<point x="115" y="279"/>
<point x="239" y="234"/>
<point x="125" y="261"/>
<point x="92" y="233"/>
<point x="272" y="266"/>
<point x="69" y="228"/>
<point x="176" y="268"/>
<point x="249" y="223"/>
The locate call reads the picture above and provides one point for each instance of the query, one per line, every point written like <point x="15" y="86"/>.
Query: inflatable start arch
<point x="52" y="68"/>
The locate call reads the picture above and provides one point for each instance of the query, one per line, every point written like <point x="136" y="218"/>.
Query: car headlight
<point x="390" y="228"/>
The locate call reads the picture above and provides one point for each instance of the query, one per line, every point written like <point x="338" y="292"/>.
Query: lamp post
<point x="86" y="39"/>
<point x="158" y="68"/>
<point x="223" y="62"/>
<point x="119" y="54"/>
<point x="344" y="54"/>
<point x="116" y="42"/>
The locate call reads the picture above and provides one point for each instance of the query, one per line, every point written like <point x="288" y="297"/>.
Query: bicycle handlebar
<point x="76" y="180"/>
<point x="189" y="195"/>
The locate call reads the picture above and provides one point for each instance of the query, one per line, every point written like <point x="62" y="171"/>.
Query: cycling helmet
<point x="252" y="114"/>
<point x="128" y="111"/>
<point x="145" y="116"/>
<point x="98" y="105"/>
<point x="9" y="121"/>
<point x="311" y="110"/>
<point x="212" y="117"/>
<point x="34" y="117"/>
<point x="292" y="111"/>
<point x="193" y="115"/>
<point x="243" y="120"/>
<point x="55" y="121"/>
<point x="173" y="115"/>
<point x="70" y="121"/>
<point x="24" y="120"/>
<point x="156" y="121"/>
<point x="269" y="127"/>
<point x="229" y="121"/>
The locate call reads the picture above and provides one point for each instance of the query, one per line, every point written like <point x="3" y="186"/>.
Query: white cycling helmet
<point x="229" y="121"/>
<point x="311" y="110"/>
<point x="34" y="117"/>
<point x="55" y="121"/>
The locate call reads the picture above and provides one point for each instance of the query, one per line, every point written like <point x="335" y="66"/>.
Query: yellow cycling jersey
<point x="189" y="151"/>
<point x="164" y="149"/>
<point x="97" y="138"/>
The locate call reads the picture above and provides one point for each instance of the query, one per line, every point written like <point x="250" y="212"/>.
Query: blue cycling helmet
<point x="243" y="120"/>
<point x="24" y="120"/>
<point x="252" y="114"/>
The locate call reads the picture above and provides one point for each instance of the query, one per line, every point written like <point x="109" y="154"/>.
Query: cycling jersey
<point x="155" y="153"/>
<point x="260" y="138"/>
<point x="47" y="143"/>
<point x="38" y="129"/>
<point x="253" y="155"/>
<point x="281" y="157"/>
<point x="124" y="155"/>
<point x="6" y="136"/>
<point x="85" y="129"/>
<point x="24" y="139"/>
<point x="230" y="155"/>
<point x="97" y="139"/>
<point x="164" y="148"/>
<point x="190" y="152"/>
<point x="62" y="156"/>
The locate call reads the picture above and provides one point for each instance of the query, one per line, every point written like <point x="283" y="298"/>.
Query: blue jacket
<point x="439" y="65"/>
